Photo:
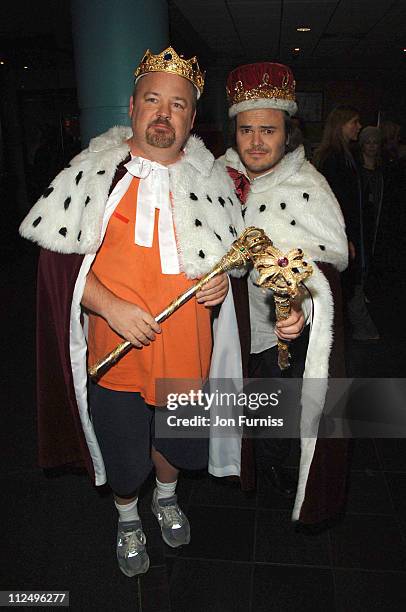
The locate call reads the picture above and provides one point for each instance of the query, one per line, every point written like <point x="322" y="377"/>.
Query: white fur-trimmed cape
<point x="296" y="208"/>
<point x="207" y="214"/>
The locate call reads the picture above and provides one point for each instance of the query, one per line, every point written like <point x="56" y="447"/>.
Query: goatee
<point x="163" y="140"/>
<point x="160" y="138"/>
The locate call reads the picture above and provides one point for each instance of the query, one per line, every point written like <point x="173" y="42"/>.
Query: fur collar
<point x="290" y="164"/>
<point x="195" y="152"/>
<point x="296" y="207"/>
<point x="115" y="136"/>
<point x="68" y="217"/>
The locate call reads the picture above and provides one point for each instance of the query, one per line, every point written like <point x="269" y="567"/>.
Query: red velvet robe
<point x="61" y="439"/>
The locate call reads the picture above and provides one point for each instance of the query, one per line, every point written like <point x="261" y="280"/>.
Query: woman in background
<point x="390" y="251"/>
<point x="372" y="183"/>
<point x="334" y="159"/>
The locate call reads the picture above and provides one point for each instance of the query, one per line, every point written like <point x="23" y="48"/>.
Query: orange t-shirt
<point x="133" y="273"/>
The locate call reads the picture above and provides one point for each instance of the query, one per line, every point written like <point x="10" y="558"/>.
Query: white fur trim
<point x="307" y="448"/>
<point x="226" y="367"/>
<point x="207" y="217"/>
<point x="87" y="179"/>
<point x="315" y="377"/>
<point x="78" y="350"/>
<point x="78" y="344"/>
<point x="300" y="209"/>
<point x="284" y="105"/>
<point x="206" y="212"/>
<point x="295" y="192"/>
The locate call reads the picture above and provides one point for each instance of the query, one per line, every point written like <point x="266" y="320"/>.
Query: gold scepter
<point x="283" y="274"/>
<point x="249" y="244"/>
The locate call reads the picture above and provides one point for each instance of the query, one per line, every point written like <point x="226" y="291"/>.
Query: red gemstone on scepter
<point x="283" y="262"/>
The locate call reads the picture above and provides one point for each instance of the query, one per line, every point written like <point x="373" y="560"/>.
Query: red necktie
<point x="241" y="183"/>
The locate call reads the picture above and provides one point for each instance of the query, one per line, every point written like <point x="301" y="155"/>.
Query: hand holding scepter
<point x="251" y="242"/>
<point x="283" y="274"/>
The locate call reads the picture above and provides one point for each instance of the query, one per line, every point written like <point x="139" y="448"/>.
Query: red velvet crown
<point x="262" y="85"/>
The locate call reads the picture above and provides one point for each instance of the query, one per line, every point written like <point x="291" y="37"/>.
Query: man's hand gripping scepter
<point x="283" y="274"/>
<point x="251" y="242"/>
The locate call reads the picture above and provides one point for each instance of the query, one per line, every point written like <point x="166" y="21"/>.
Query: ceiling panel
<point x="258" y="26"/>
<point x="211" y="13"/>
<point x="253" y="5"/>
<point x="332" y="47"/>
<point x="358" y="17"/>
<point x="211" y="20"/>
<point x="341" y="30"/>
<point x="391" y="26"/>
<point x="314" y="15"/>
<point x="306" y="3"/>
<point x="264" y="16"/>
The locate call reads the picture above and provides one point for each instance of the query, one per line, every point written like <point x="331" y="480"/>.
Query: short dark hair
<point x="289" y="127"/>
<point x="194" y="94"/>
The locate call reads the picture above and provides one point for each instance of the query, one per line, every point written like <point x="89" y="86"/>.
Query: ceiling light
<point x="296" y="49"/>
<point x="303" y="29"/>
<point x="2" y="63"/>
<point x="25" y="67"/>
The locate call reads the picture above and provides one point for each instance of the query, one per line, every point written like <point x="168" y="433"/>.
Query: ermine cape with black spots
<point x="67" y="223"/>
<point x="207" y="217"/>
<point x="295" y="206"/>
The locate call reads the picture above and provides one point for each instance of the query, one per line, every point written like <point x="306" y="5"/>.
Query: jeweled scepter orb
<point x="250" y="244"/>
<point x="284" y="275"/>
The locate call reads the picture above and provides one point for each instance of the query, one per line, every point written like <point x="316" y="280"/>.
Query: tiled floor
<point x="245" y="554"/>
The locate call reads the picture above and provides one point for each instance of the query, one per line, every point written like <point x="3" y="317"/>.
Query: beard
<point x="160" y="138"/>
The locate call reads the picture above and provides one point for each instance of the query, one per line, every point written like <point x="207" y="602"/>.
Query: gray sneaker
<point x="131" y="554"/>
<point x="174" y="524"/>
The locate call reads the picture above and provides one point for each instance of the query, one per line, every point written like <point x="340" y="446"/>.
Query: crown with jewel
<point x="169" y="61"/>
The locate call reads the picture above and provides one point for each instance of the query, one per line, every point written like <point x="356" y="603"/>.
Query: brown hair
<point x="332" y="139"/>
<point x="390" y="139"/>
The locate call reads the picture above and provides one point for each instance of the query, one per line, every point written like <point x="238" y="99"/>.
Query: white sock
<point x="165" y="489"/>
<point x="128" y="512"/>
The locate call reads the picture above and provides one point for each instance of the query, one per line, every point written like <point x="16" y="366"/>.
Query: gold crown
<point x="170" y="61"/>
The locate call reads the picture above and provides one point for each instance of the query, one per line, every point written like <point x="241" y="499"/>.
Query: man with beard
<point x="124" y="230"/>
<point x="282" y="193"/>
